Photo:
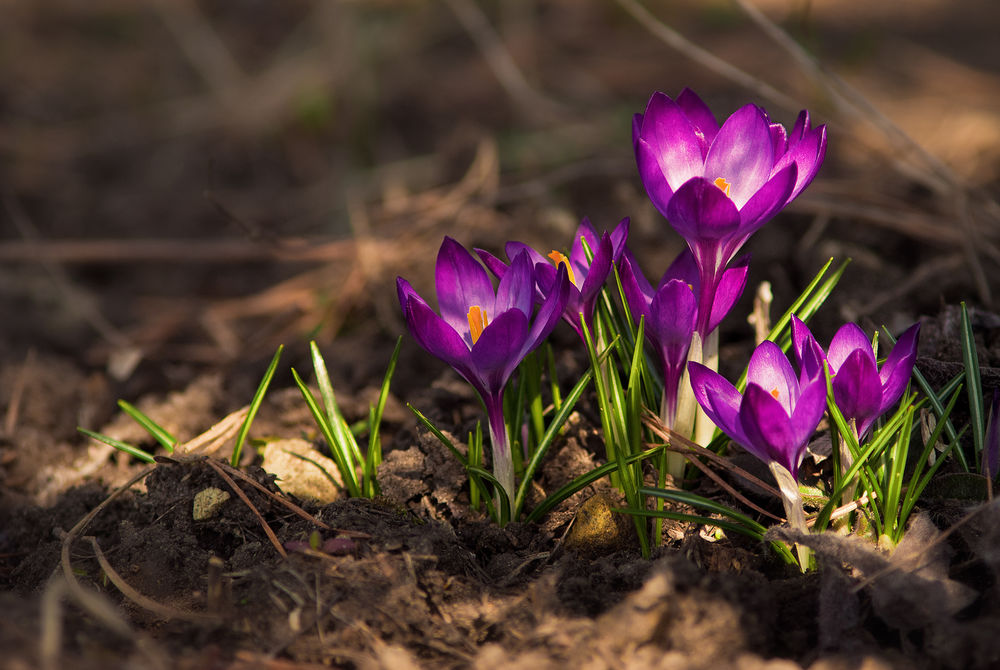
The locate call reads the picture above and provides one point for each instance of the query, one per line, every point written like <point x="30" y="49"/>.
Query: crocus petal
<point x="809" y="409"/>
<point x="770" y="369"/>
<point x="808" y="353"/>
<point x="779" y="139"/>
<point x="684" y="267"/>
<point x="729" y="290"/>
<point x="720" y="400"/>
<point x="848" y="339"/>
<point x="577" y="254"/>
<point x="513" y="248"/>
<point x="653" y="179"/>
<point x="896" y="371"/>
<point x="700" y="116"/>
<point x="461" y="282"/>
<point x="671" y="136"/>
<point x="856" y="387"/>
<point x="672" y="319"/>
<point x="517" y="288"/>
<point x="597" y="273"/>
<point x="500" y="343"/>
<point x="548" y="315"/>
<point x="619" y="236"/>
<point x="765" y="203"/>
<point x="405" y="293"/>
<point x="807" y="155"/>
<point x="742" y="153"/>
<point x="638" y="292"/>
<point x="800" y="126"/>
<point x="768" y="428"/>
<point x="492" y="263"/>
<point x="436" y="336"/>
<point x="700" y="210"/>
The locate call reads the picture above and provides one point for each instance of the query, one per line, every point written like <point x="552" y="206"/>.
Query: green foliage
<point x="340" y="438"/>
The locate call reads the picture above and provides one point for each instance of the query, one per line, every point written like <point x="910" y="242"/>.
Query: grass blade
<point x="119" y="445"/>
<point x="346" y="468"/>
<point x="159" y="433"/>
<point x="258" y="398"/>
<point x="974" y="386"/>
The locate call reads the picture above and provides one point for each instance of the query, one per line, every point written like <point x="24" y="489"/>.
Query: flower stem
<point x="845" y="462"/>
<point x="791" y="498"/>
<point x="503" y="464"/>
<point x="708" y="351"/>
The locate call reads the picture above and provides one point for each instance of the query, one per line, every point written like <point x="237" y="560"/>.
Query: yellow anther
<point x="477" y="322"/>
<point x="559" y="257"/>
<point x="723" y="185"/>
<point x="775" y="394"/>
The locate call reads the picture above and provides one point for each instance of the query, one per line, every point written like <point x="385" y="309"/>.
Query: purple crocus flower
<point x="718" y="185"/>
<point x="671" y="312"/>
<point x="586" y="278"/>
<point x="777" y="414"/>
<point x="862" y="391"/>
<point x="483" y="332"/>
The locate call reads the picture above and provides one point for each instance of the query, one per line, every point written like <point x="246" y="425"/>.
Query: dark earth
<point x="187" y="185"/>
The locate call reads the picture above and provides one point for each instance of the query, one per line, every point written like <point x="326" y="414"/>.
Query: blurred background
<point x="194" y="181"/>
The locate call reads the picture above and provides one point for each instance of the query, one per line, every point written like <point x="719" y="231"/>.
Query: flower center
<point x="723" y="185"/>
<point x="559" y="257"/>
<point x="775" y="394"/>
<point x="477" y="322"/>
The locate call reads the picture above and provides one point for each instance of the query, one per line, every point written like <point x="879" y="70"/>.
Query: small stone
<point x="596" y="529"/>
<point x="207" y="503"/>
<point x="297" y="467"/>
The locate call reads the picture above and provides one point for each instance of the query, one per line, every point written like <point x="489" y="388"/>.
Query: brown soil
<point x="171" y="219"/>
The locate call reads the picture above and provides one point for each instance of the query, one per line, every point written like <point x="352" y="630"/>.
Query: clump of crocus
<point x="863" y="391"/>
<point x="483" y="332"/>
<point x="718" y="185"/>
<point x="773" y="419"/>
<point x="587" y="277"/>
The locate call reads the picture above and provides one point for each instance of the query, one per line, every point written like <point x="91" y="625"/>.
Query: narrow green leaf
<point x="439" y="435"/>
<point x="498" y="490"/>
<point x="550" y="434"/>
<point x="340" y="456"/>
<point x="119" y="445"/>
<point x="158" y="432"/>
<point x="584" y="481"/>
<point x="344" y="437"/>
<point x="974" y="385"/>
<point x="258" y="398"/>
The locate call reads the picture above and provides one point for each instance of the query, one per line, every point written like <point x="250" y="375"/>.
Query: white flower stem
<point x="792" y="500"/>
<point x="708" y="353"/>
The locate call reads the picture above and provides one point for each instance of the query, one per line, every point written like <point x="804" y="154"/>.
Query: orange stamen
<point x="477" y="322"/>
<point x="559" y="257"/>
<point x="774" y="393"/>
<point x="723" y="184"/>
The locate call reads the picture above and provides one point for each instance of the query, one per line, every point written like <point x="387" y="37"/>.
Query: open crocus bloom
<point x="481" y="332"/>
<point x="863" y="392"/>
<point x="587" y="277"/>
<point x="718" y="185"/>
<point x="777" y="414"/>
